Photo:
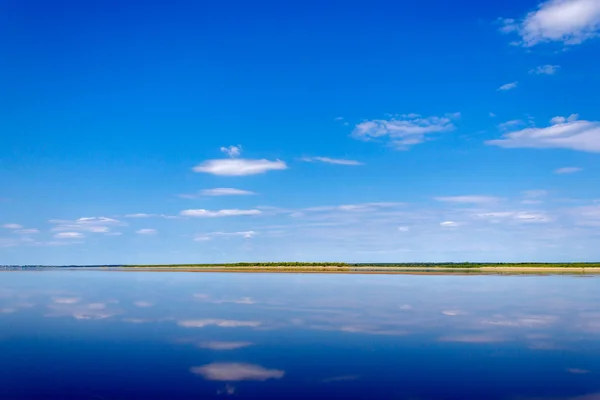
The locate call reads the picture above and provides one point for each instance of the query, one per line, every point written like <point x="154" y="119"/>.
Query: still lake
<point x="78" y="334"/>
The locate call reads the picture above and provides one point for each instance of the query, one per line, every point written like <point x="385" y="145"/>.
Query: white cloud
<point x="449" y="224"/>
<point x="220" y="213"/>
<point x="239" y="166"/>
<point x="226" y="192"/>
<point x="146" y="231"/>
<point x="545" y="70"/>
<point x="469" y="199"/>
<point x="139" y="215"/>
<point x="327" y="160"/>
<point x="510" y="124"/>
<point x="361" y="207"/>
<point x="27" y="231"/>
<point x="565" y="133"/>
<point x="12" y="226"/>
<point x="236" y="372"/>
<point x="144" y="215"/>
<point x="516" y="216"/>
<point x="86" y="224"/>
<point x="562" y="120"/>
<point x="404" y="130"/>
<point x="508" y="86"/>
<point x="224" y="345"/>
<point x="222" y="323"/>
<point x="567" y="170"/>
<point x="492" y="115"/>
<point x="69" y="235"/>
<point x="209" y="236"/>
<point x="587" y="215"/>
<point x="403" y="229"/>
<point x="567" y="21"/>
<point x="232" y="151"/>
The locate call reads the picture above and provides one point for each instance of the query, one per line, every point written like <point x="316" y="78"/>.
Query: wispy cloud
<point x="545" y="70"/>
<point x="86" y="224"/>
<point x="403" y="131"/>
<point x="563" y="133"/>
<point x="534" y="193"/>
<point x="220" y="213"/>
<point x="69" y="235"/>
<point x="360" y="207"/>
<point x="144" y="215"/>
<point x="449" y="224"/>
<point x="512" y="124"/>
<point x="146" y="231"/>
<point x="327" y="160"/>
<point x="232" y="151"/>
<point x="208" y="236"/>
<point x="239" y="166"/>
<point x="231" y="372"/>
<point x="567" y="170"/>
<point x="470" y="199"/>
<point x="517" y="216"/>
<point x="508" y="86"/>
<point x="569" y="22"/>
<point x="12" y="226"/>
<point x="29" y="231"/>
<point x="225" y="192"/>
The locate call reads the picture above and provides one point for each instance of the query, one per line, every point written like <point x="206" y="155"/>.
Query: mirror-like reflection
<point x="129" y="335"/>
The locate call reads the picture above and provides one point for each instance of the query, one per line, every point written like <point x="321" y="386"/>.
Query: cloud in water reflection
<point x="222" y="323"/>
<point x="232" y="372"/>
<point x="223" y="345"/>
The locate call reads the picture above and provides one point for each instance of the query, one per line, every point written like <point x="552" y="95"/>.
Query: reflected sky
<point x="160" y="335"/>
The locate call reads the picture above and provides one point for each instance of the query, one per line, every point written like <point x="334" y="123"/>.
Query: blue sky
<point x="367" y="131"/>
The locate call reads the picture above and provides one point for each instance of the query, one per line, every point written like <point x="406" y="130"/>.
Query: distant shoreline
<point x="327" y="267"/>
<point x="375" y="269"/>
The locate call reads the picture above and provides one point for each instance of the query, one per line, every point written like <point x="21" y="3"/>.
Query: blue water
<point x="157" y="335"/>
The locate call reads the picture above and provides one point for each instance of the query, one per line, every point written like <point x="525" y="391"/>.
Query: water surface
<point x="144" y="335"/>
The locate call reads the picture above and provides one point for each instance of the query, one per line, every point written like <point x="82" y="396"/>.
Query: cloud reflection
<point x="477" y="338"/>
<point x="66" y="300"/>
<point x="72" y="308"/>
<point x="578" y="371"/>
<point x="222" y="323"/>
<point x="453" y="313"/>
<point x="143" y="304"/>
<point x="224" y="345"/>
<point x="236" y="372"/>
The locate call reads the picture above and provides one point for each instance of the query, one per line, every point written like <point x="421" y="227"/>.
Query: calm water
<point x="144" y="335"/>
